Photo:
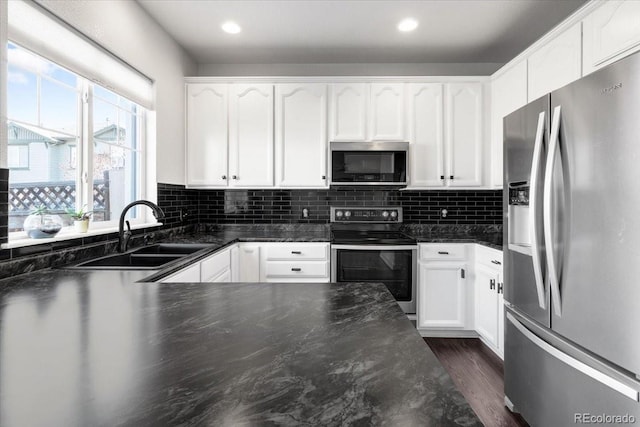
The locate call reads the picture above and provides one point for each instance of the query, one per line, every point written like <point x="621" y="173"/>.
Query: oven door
<point x="395" y="266"/>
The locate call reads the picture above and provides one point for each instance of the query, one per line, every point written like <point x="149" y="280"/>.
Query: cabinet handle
<point x="443" y="252"/>
<point x="500" y="288"/>
<point x="224" y="177"/>
<point x="296" y="269"/>
<point x="442" y="177"/>
<point x="451" y="177"/>
<point x="324" y="177"/>
<point x="492" y="284"/>
<point x="462" y="273"/>
<point x="493" y="261"/>
<point x="234" y="177"/>
<point x="296" y="252"/>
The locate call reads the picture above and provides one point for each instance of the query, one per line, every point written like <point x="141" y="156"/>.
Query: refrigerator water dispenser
<point x="519" y="226"/>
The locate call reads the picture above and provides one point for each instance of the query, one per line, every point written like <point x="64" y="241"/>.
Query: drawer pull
<point x="492" y="284"/>
<point x="500" y="287"/>
<point x="296" y="269"/>
<point x="493" y="261"/>
<point x="443" y="252"/>
<point x="296" y="252"/>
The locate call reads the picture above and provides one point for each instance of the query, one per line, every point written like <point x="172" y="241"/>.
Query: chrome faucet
<point x="124" y="236"/>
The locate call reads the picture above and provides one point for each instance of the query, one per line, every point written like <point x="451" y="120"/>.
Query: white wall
<point x="125" y="29"/>
<point x="399" y="69"/>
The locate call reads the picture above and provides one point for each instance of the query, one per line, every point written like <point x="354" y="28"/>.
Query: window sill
<point x="68" y="233"/>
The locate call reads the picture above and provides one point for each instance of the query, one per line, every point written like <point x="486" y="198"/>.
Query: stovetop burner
<point x="368" y="226"/>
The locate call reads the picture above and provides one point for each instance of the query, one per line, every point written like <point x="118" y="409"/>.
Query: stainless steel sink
<point x="172" y="248"/>
<point x="129" y="261"/>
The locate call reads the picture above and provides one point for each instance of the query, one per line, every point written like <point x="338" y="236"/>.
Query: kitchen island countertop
<point x="99" y="348"/>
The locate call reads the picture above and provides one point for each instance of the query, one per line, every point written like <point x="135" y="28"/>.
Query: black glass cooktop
<point x="370" y="237"/>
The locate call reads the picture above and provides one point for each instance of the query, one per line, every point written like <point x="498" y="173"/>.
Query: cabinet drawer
<point x="443" y="252"/>
<point x="215" y="264"/>
<point x="297" y="269"/>
<point x="290" y="251"/>
<point x="488" y="257"/>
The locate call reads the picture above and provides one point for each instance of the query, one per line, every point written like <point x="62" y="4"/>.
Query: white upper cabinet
<point x="508" y="93"/>
<point x="463" y="134"/>
<point x="301" y="135"/>
<point x="556" y="64"/>
<point x="610" y="32"/>
<point x="251" y="135"/>
<point x="367" y="112"/>
<point x="386" y="119"/>
<point x="206" y="135"/>
<point x="425" y="119"/>
<point x="348" y="112"/>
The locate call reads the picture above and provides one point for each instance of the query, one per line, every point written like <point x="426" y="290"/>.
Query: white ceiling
<point x="358" y="31"/>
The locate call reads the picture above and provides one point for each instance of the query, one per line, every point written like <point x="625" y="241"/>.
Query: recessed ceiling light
<point x="231" y="27"/>
<point x="408" y="24"/>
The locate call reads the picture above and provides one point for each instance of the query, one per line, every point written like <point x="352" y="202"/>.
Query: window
<point x="18" y="156"/>
<point x="71" y="143"/>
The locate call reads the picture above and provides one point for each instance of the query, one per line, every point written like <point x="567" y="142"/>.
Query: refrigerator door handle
<point x="547" y="212"/>
<point x="608" y="381"/>
<point x="533" y="206"/>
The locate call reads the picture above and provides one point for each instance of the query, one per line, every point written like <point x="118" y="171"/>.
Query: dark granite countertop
<point x="96" y="348"/>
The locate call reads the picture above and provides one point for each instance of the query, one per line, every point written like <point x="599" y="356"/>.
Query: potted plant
<point x="80" y="219"/>
<point x="41" y="224"/>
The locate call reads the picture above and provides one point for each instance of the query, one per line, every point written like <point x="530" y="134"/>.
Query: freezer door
<point x="597" y="197"/>
<point x="524" y="130"/>
<point x="549" y="387"/>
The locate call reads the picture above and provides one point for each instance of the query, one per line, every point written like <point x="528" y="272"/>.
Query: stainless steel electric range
<point x="367" y="246"/>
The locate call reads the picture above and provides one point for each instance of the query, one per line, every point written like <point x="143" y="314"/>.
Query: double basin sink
<point x="151" y="257"/>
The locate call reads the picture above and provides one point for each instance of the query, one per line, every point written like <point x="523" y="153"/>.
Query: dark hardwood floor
<point x="478" y="374"/>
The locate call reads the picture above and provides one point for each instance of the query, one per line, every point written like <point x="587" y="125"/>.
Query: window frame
<point x="19" y="167"/>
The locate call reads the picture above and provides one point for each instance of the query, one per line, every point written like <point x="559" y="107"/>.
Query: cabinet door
<point x="189" y="274"/>
<point x="556" y="64"/>
<point x="206" y="135"/>
<point x="386" y="119"/>
<point x="249" y="262"/>
<point x="426" y="134"/>
<point x="611" y="32"/>
<point x="301" y="135"/>
<point x="223" y="277"/>
<point x="441" y="295"/>
<point x="348" y="112"/>
<point x="212" y="266"/>
<point x="463" y="134"/>
<point x="508" y="93"/>
<point x="486" y="304"/>
<point x="251" y="135"/>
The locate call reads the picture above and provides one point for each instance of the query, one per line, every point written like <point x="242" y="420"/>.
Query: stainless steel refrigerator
<point x="572" y="252"/>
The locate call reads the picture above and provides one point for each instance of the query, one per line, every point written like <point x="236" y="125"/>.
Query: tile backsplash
<point x="286" y="206"/>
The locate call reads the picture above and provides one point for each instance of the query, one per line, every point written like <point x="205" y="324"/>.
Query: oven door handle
<point x="375" y="247"/>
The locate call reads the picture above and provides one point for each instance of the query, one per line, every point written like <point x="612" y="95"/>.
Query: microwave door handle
<point x="533" y="205"/>
<point x="547" y="213"/>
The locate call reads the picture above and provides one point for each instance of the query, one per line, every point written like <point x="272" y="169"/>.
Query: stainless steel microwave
<point x="369" y="163"/>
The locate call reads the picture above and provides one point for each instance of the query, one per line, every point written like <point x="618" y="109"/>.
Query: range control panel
<point x="366" y="214"/>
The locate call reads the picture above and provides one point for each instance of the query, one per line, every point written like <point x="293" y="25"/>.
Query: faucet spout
<point x="123" y="238"/>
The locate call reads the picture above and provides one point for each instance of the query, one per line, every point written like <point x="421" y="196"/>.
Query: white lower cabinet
<point x="211" y="269"/>
<point x="443" y="298"/>
<point x="489" y="298"/>
<point x="248" y="263"/>
<point x="189" y="274"/>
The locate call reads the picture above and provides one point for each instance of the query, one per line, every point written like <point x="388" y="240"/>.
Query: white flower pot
<point x="81" y="226"/>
